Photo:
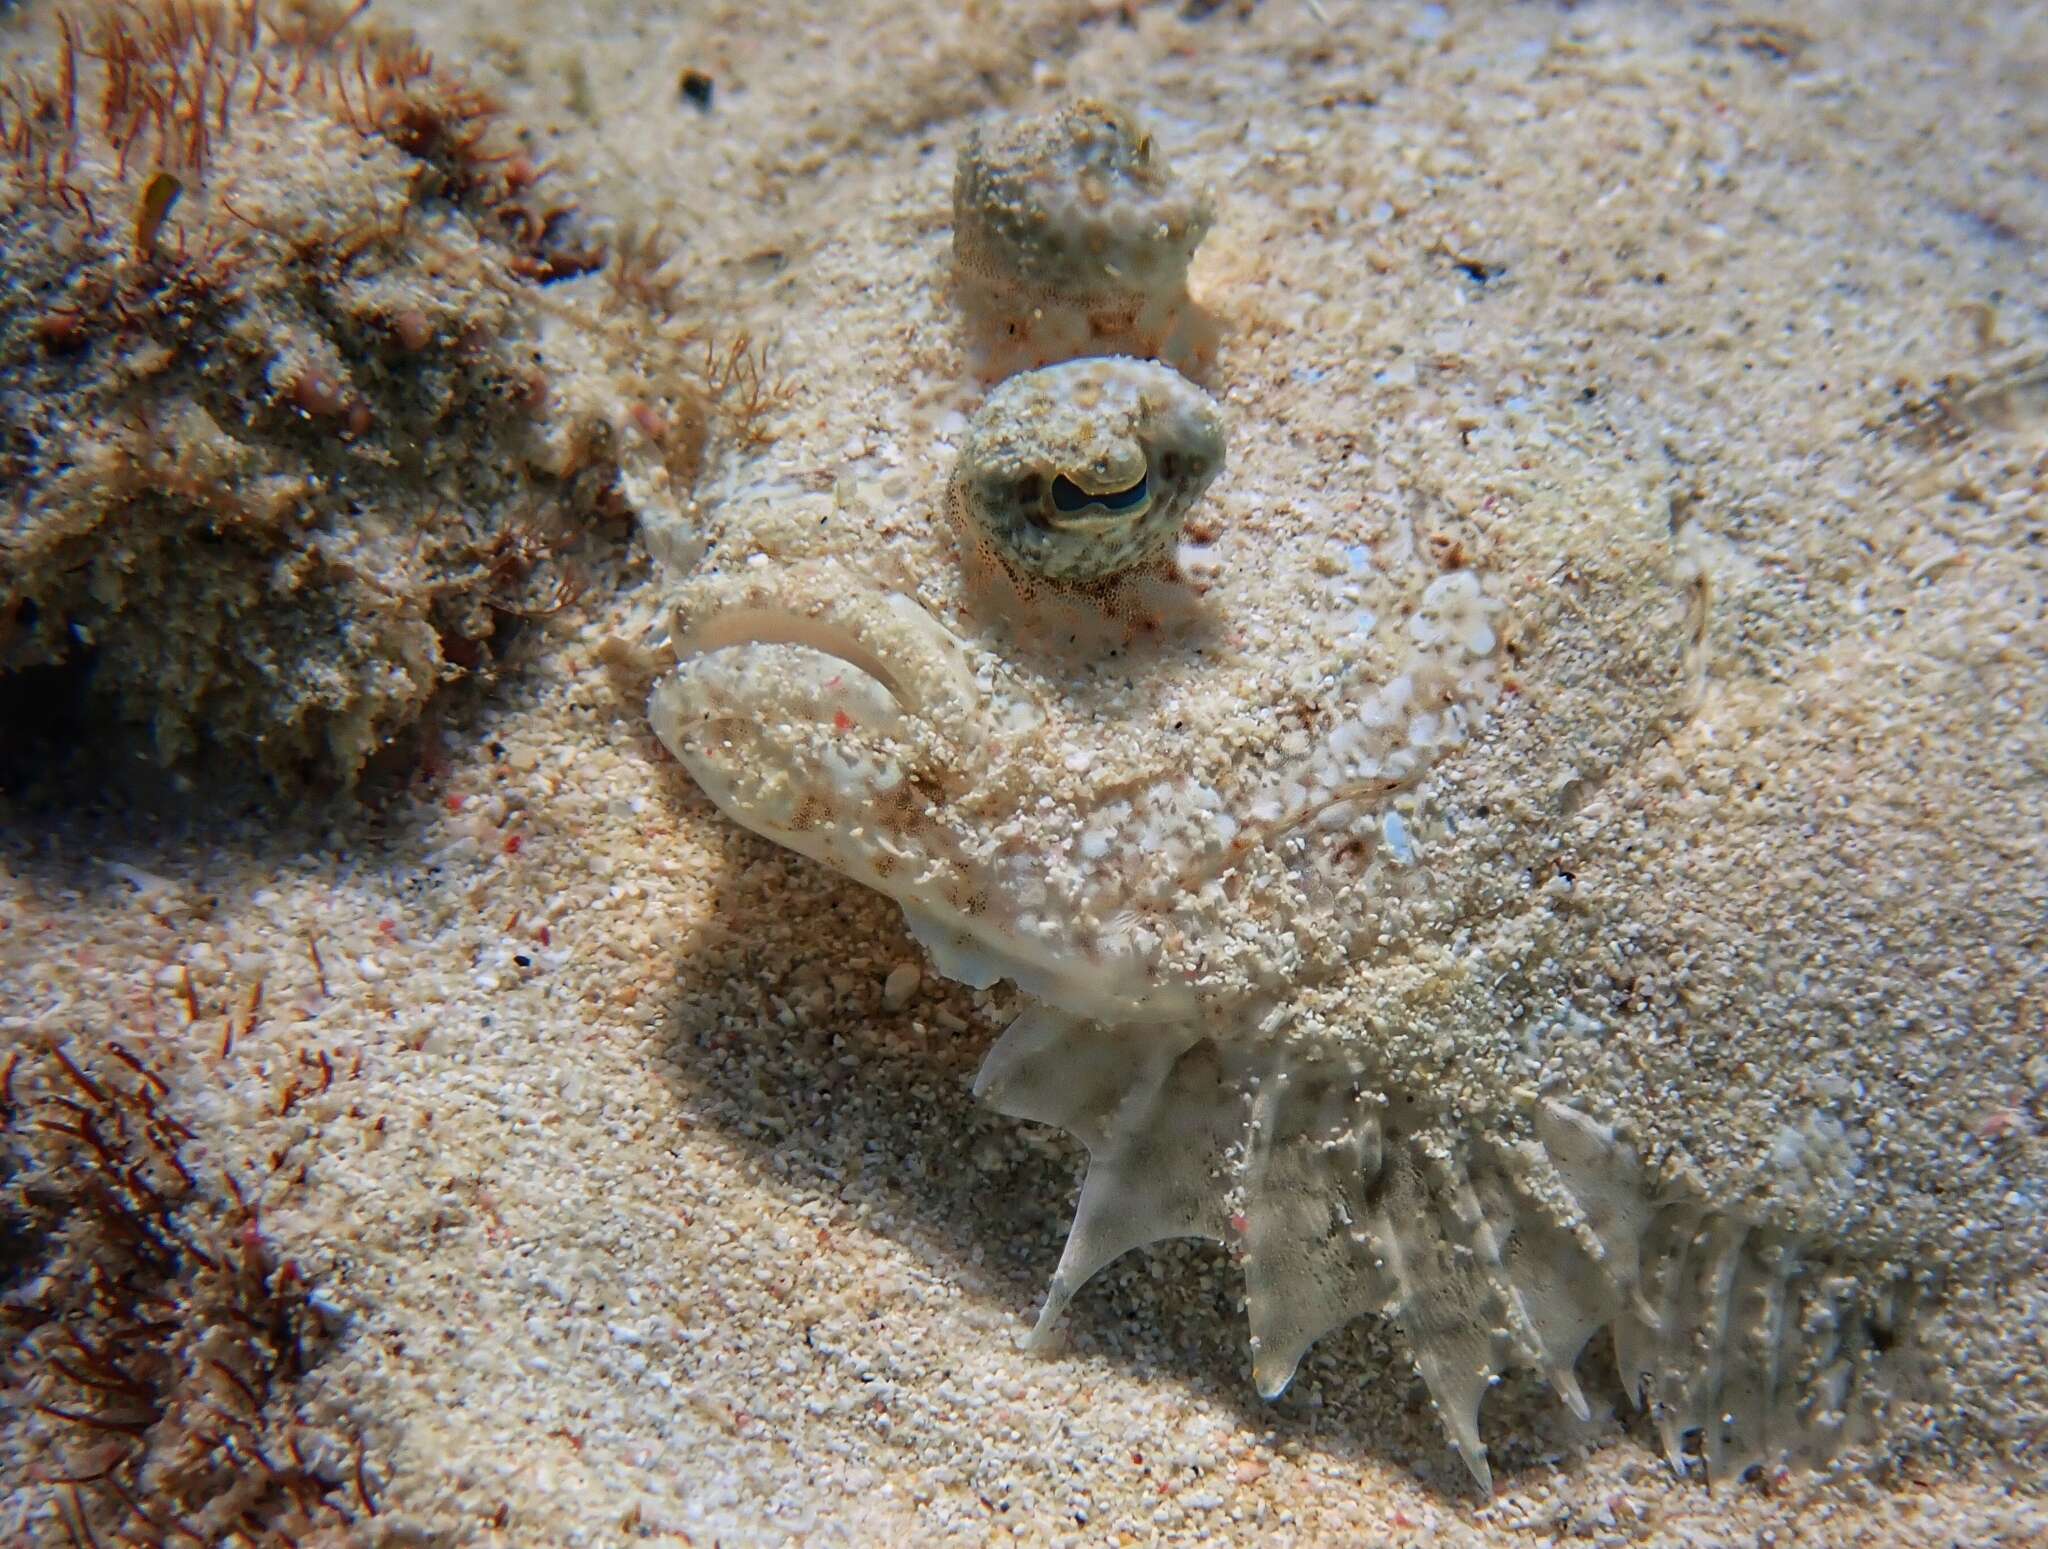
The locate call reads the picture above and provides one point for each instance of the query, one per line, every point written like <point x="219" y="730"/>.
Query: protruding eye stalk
<point x="1078" y="472"/>
<point x="1072" y="237"/>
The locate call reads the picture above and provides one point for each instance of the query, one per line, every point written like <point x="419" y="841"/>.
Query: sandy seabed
<point x="636" y="1211"/>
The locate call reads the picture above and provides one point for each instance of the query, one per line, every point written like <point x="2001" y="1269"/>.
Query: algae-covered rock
<point x="298" y="403"/>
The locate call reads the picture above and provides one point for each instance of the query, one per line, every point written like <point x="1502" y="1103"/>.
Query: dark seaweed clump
<point x="154" y="1341"/>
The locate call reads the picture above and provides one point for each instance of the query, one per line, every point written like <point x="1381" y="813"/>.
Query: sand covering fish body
<point x="1470" y="900"/>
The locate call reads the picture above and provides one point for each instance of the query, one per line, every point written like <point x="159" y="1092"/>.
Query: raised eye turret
<point x="1078" y="472"/>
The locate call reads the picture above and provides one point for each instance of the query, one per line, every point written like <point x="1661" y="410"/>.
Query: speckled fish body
<point x="1465" y="906"/>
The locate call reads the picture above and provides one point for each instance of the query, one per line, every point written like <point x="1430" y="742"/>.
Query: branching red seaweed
<point x="156" y="1339"/>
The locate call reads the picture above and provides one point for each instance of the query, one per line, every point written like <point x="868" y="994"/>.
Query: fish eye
<point x="1078" y="472"/>
<point x="1068" y="498"/>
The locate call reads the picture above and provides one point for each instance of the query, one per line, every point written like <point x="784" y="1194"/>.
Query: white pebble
<point x="900" y="986"/>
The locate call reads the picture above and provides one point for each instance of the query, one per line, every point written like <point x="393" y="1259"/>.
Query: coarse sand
<point x="643" y="1193"/>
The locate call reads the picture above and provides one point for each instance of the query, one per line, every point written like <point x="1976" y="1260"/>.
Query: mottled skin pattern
<point x="1078" y="205"/>
<point x="1263" y="966"/>
<point x="1079" y="471"/>
<point x="1327" y="915"/>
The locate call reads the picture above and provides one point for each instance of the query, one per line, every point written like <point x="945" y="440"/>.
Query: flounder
<point x="1493" y="913"/>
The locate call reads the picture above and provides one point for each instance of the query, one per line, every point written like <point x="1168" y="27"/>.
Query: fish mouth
<point x="763" y="625"/>
<point x="840" y="719"/>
